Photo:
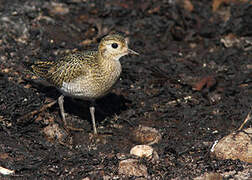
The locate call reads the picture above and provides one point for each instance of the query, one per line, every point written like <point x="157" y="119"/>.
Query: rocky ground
<point x="191" y="86"/>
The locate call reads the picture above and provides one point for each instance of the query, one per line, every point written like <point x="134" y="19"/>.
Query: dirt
<point x="191" y="82"/>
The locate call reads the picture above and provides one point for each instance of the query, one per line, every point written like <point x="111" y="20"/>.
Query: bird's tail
<point x="39" y="68"/>
<point x="27" y="68"/>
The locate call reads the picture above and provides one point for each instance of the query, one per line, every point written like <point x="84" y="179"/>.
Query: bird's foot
<point x="68" y="127"/>
<point x="97" y="138"/>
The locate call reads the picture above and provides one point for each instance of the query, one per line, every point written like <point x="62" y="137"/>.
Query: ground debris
<point x="190" y="85"/>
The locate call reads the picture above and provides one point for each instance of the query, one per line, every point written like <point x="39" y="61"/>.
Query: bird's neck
<point x="110" y="64"/>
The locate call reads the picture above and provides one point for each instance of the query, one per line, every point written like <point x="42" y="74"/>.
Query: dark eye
<point x="114" y="45"/>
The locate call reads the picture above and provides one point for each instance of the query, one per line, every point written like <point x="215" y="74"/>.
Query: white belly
<point x="74" y="89"/>
<point x="87" y="88"/>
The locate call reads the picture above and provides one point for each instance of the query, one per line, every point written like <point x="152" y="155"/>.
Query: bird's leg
<point x="92" y="112"/>
<point x="62" y="112"/>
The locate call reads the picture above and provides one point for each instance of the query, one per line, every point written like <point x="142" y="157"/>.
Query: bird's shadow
<point x="106" y="106"/>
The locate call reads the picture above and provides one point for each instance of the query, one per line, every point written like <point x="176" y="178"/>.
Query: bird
<point x="86" y="75"/>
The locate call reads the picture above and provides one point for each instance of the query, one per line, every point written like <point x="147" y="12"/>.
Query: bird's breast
<point x="94" y="84"/>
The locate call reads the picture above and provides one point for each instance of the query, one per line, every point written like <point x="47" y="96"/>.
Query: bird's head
<point x="114" y="46"/>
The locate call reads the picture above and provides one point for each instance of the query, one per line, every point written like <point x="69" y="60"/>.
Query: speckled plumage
<point x="86" y="75"/>
<point x="80" y="75"/>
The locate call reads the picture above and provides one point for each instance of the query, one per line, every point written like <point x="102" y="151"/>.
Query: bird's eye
<point x="114" y="45"/>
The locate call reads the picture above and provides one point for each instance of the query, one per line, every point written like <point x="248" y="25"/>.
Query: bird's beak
<point x="132" y="52"/>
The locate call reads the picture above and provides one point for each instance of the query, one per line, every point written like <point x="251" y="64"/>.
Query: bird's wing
<point x="66" y="68"/>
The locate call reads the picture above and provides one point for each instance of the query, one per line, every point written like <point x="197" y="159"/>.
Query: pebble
<point x="210" y="176"/>
<point x="237" y="145"/>
<point x="54" y="132"/>
<point x="58" y="9"/>
<point x="131" y="167"/>
<point x="5" y="171"/>
<point x="142" y="151"/>
<point x="146" y="135"/>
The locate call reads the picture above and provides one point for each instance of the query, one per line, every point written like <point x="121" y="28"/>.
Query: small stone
<point x="230" y="40"/>
<point x="86" y="178"/>
<point x="4" y="156"/>
<point x="131" y="167"/>
<point x="237" y="145"/>
<point x="59" y="9"/>
<point x="214" y="97"/>
<point x="106" y="177"/>
<point x="146" y="135"/>
<point x="142" y="151"/>
<point x="54" y="132"/>
<point x="249" y="66"/>
<point x="5" y="171"/>
<point x="210" y="176"/>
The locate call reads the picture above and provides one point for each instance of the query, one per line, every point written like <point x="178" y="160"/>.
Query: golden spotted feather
<point x="67" y="68"/>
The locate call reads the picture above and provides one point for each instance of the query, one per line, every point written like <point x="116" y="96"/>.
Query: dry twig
<point x="246" y="120"/>
<point x="43" y="108"/>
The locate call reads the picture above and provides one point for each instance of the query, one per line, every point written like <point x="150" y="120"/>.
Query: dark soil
<point x="186" y="84"/>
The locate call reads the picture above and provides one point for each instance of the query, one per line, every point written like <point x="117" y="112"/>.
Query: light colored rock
<point x="54" y="132"/>
<point x="146" y="135"/>
<point x="58" y="9"/>
<point x="5" y="171"/>
<point x="237" y="145"/>
<point x="142" y="151"/>
<point x="209" y="176"/>
<point x="131" y="167"/>
<point x="86" y="178"/>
